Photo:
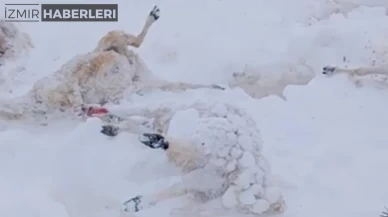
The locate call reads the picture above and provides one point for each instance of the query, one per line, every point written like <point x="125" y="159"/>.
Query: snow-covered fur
<point x="259" y="82"/>
<point x="13" y="45"/>
<point x="221" y="158"/>
<point x="13" y="42"/>
<point x="356" y="75"/>
<point x="98" y="77"/>
<point x="184" y="155"/>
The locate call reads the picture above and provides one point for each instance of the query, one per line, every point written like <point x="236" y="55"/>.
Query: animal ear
<point x="154" y="140"/>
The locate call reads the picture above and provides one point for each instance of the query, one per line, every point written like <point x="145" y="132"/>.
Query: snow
<point x="183" y="123"/>
<point x="326" y="145"/>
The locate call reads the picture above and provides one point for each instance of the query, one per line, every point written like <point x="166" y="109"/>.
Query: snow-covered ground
<point x="326" y="145"/>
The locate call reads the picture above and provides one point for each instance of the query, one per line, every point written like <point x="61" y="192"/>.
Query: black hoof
<point x="132" y="205"/>
<point x="218" y="87"/>
<point x="109" y="130"/>
<point x="154" y="140"/>
<point x="328" y="70"/>
<point x="155" y="13"/>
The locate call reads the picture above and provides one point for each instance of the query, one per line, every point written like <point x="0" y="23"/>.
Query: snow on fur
<point x="13" y="42"/>
<point x="98" y="77"/>
<point x="13" y="45"/>
<point x="265" y="80"/>
<point x="90" y="78"/>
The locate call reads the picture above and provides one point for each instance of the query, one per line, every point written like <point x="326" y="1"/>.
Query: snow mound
<point x="230" y="139"/>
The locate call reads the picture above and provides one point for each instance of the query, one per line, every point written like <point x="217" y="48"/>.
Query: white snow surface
<point x="326" y="145"/>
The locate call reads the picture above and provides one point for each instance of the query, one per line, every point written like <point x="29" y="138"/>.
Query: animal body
<point x="362" y="71"/>
<point x="101" y="76"/>
<point x="221" y="159"/>
<point x="266" y="80"/>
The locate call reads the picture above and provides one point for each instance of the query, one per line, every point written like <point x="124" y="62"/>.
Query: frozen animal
<point x="220" y="159"/>
<point x="266" y="80"/>
<point x="101" y="76"/>
<point x="377" y="73"/>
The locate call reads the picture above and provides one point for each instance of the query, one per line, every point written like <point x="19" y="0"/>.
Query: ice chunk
<point x="247" y="197"/>
<point x="219" y="162"/>
<point x="219" y="110"/>
<point x="231" y="166"/>
<point x="260" y="206"/>
<point x="223" y="152"/>
<point x="236" y="153"/>
<point x="257" y="190"/>
<point x="229" y="199"/>
<point x="260" y="178"/>
<point x="247" y="160"/>
<point x="246" y="142"/>
<point x="273" y="195"/>
<point x="236" y="120"/>
<point x="246" y="179"/>
<point x="231" y="136"/>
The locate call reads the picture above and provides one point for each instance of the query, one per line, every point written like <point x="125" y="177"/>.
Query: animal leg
<point x="126" y="125"/>
<point x="114" y="124"/>
<point x="137" y="41"/>
<point x="175" y="86"/>
<point x="362" y="71"/>
<point x="141" y="202"/>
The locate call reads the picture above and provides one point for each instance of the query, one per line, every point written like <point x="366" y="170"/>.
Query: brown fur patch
<point x="90" y="69"/>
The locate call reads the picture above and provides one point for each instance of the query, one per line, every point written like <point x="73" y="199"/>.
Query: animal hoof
<point x="137" y="204"/>
<point x="110" y="130"/>
<point x="133" y="205"/>
<point x="153" y="140"/>
<point x="328" y="70"/>
<point x="218" y="87"/>
<point x="155" y="13"/>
